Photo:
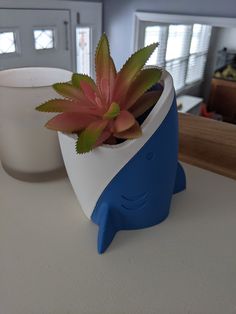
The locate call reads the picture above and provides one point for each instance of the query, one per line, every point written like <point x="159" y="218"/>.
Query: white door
<point x="37" y="37"/>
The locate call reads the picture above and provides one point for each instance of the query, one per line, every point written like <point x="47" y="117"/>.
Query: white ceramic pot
<point x="90" y="173"/>
<point x="26" y="146"/>
<point x="130" y="185"/>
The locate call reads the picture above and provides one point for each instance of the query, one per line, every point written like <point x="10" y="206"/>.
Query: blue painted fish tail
<point x="107" y="229"/>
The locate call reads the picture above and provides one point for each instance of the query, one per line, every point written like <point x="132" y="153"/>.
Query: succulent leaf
<point x="105" y="135"/>
<point x="145" y="80"/>
<point x="134" y="132"/>
<point x="145" y="102"/>
<point x="57" y="105"/>
<point x="72" y="92"/>
<point x="70" y="122"/>
<point x="88" y="91"/>
<point x="113" y="111"/>
<point x="102" y="59"/>
<point x="65" y="105"/>
<point x="105" y="69"/>
<point x="66" y="90"/>
<point x="88" y="138"/>
<point x="131" y="69"/>
<point x="124" y="121"/>
<point x="77" y="78"/>
<point x="112" y="73"/>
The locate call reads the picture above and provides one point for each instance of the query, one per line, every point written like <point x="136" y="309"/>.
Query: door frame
<point x="74" y="8"/>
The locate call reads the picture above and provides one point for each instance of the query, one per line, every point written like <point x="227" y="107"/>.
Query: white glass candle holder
<point x="27" y="148"/>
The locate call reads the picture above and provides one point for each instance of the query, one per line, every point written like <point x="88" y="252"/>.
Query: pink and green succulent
<point x="107" y="110"/>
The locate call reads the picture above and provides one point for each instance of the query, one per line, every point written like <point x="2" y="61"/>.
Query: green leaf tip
<point x="131" y="69"/>
<point x="103" y="41"/>
<point x="89" y="136"/>
<point x="52" y="105"/>
<point x="113" y="111"/>
<point x="66" y="90"/>
<point x="138" y="59"/>
<point x="77" y="78"/>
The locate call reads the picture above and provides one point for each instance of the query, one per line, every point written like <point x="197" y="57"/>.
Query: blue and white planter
<point x="130" y="185"/>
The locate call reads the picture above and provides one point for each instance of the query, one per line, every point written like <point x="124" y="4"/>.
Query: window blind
<point x="157" y="34"/>
<point x="177" y="68"/>
<point x="178" y="41"/>
<point x="182" y="50"/>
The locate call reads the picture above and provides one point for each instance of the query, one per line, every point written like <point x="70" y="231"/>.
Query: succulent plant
<point x="107" y="110"/>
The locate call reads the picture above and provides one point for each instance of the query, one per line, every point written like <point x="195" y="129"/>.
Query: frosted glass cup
<point x="28" y="150"/>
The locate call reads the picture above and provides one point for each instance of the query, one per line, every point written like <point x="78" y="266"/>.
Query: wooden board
<point x="208" y="144"/>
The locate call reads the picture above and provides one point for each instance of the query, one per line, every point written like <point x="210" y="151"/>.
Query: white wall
<point x="226" y="38"/>
<point x="118" y="15"/>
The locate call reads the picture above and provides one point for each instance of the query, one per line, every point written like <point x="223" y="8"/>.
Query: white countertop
<point x="49" y="262"/>
<point x="188" y="102"/>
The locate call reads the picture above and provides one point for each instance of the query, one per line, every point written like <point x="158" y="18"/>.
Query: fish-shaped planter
<point x="130" y="185"/>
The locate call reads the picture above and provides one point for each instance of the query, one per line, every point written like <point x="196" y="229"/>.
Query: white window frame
<point x="157" y="18"/>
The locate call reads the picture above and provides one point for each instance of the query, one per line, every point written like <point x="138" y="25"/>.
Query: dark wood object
<point x="208" y="144"/>
<point x="222" y="99"/>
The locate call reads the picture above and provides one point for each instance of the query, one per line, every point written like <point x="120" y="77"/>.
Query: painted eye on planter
<point x="150" y="156"/>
